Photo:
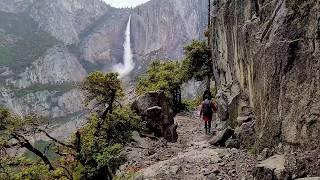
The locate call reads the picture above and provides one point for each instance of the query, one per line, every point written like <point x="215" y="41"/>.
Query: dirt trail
<point x="192" y="157"/>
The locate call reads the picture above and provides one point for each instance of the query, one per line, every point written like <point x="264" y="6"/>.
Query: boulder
<point x="272" y="168"/>
<point x="245" y="133"/>
<point x="156" y="111"/>
<point x="220" y="138"/>
<point x="232" y="143"/>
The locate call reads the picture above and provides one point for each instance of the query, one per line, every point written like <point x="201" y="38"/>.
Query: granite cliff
<point x="266" y="60"/>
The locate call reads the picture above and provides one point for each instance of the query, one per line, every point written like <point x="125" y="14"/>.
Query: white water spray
<point x="128" y="65"/>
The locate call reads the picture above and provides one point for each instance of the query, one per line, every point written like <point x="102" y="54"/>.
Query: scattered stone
<point x="272" y="168"/>
<point x="221" y="137"/>
<point x="221" y="164"/>
<point x="216" y="171"/>
<point x="211" y="177"/>
<point x="175" y="169"/>
<point x="309" y="178"/>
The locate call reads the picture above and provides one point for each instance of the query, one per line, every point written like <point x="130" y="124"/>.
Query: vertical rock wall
<point x="268" y="51"/>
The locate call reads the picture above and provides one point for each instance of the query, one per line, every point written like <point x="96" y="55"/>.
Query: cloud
<point x="125" y="3"/>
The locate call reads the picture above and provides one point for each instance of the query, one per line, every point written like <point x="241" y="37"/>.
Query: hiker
<point x="207" y="109"/>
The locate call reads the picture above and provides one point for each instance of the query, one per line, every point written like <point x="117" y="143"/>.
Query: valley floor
<point x="192" y="157"/>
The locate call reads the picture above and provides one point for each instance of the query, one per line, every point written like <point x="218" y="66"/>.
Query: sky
<point x="125" y="3"/>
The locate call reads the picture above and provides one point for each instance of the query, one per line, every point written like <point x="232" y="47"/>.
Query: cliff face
<point x="266" y="59"/>
<point x="47" y="46"/>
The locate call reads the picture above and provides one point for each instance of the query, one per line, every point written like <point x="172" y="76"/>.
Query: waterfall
<point x="127" y="65"/>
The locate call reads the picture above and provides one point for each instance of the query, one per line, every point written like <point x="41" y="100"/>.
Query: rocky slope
<point x="47" y="46"/>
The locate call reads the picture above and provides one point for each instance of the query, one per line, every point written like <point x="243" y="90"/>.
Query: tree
<point x="15" y="132"/>
<point x="102" y="91"/>
<point x="102" y="141"/>
<point x="16" y="129"/>
<point x="197" y="63"/>
<point x="93" y="153"/>
<point x="164" y="76"/>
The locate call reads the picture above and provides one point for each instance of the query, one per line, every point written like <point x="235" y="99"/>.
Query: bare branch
<point x="55" y="140"/>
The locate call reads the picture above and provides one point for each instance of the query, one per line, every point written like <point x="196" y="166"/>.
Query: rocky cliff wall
<point x="267" y="58"/>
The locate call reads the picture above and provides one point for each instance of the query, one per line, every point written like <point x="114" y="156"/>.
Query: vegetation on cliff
<point x="93" y="152"/>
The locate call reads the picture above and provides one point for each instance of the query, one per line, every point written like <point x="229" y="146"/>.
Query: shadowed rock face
<point x="269" y="51"/>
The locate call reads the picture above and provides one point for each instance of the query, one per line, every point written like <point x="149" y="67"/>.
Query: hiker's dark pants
<point x="207" y="126"/>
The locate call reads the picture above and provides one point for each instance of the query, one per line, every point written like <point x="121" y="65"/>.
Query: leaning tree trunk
<point x="26" y="144"/>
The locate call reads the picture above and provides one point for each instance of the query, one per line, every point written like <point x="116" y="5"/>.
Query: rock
<point x="266" y="152"/>
<point x="221" y="125"/>
<point x="175" y="169"/>
<point x="155" y="109"/>
<point x="211" y="177"/>
<point x="245" y="133"/>
<point x="243" y="119"/>
<point x="221" y="137"/>
<point x="222" y="102"/>
<point x="139" y="140"/>
<point x="309" y="178"/>
<point x="216" y="171"/>
<point x="272" y="168"/>
<point x="232" y="143"/>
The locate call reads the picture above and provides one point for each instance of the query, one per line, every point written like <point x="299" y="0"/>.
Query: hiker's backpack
<point x="207" y="108"/>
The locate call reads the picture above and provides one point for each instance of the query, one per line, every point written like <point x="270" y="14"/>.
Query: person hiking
<point x="207" y="109"/>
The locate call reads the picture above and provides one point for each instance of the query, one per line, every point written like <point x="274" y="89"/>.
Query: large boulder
<point x="220" y="138"/>
<point x="245" y="133"/>
<point x="156" y="110"/>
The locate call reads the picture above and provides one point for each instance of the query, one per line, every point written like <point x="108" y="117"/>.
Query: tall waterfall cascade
<point x="127" y="65"/>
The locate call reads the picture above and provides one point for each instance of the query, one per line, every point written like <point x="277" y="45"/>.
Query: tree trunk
<point x="26" y="144"/>
<point x="209" y="21"/>
<point x="110" y="106"/>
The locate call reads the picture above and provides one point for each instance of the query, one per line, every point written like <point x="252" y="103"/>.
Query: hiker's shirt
<point x="208" y="117"/>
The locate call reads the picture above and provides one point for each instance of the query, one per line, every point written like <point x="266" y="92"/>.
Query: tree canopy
<point x="161" y="75"/>
<point x="101" y="90"/>
<point x="166" y="76"/>
<point x="197" y="63"/>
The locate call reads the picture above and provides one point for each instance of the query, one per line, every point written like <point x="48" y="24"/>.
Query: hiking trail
<point x="192" y="157"/>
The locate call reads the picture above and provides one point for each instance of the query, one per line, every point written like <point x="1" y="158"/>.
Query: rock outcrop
<point x="269" y="51"/>
<point x="155" y="110"/>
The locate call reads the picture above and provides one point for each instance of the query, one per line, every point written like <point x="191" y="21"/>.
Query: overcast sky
<point x="125" y="3"/>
